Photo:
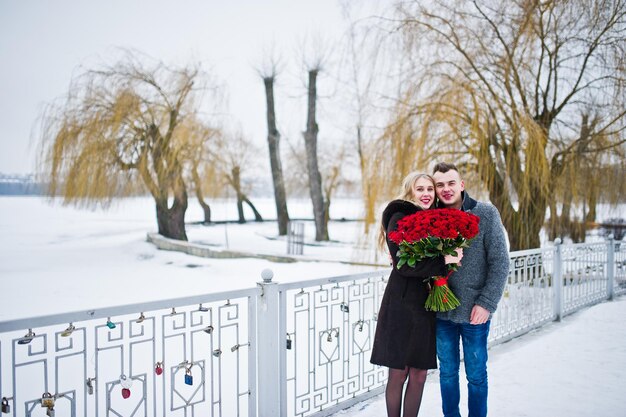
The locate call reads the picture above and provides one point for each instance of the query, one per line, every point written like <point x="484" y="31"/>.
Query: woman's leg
<point x="413" y="393"/>
<point x="393" y="392"/>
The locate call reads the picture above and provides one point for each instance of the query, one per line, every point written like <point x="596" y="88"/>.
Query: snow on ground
<point x="574" y="368"/>
<point x="57" y="259"/>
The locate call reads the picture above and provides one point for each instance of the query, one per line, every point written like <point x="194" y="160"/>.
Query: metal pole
<point x="610" y="263"/>
<point x="268" y="359"/>
<point x="253" y="302"/>
<point x="557" y="282"/>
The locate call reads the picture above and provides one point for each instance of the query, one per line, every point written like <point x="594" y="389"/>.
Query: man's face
<point x="449" y="186"/>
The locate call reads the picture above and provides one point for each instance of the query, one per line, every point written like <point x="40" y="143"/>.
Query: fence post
<point x="557" y="281"/>
<point x="268" y="337"/>
<point x="295" y="238"/>
<point x="610" y="263"/>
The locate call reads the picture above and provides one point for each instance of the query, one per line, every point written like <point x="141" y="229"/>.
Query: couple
<point x="408" y="338"/>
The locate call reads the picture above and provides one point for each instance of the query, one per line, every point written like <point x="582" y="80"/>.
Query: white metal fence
<point x="297" y="349"/>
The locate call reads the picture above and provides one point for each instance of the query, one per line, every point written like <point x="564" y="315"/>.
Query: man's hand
<point x="450" y="259"/>
<point x="479" y="315"/>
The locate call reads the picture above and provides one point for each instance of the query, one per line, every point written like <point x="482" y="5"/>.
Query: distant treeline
<point x="20" y="185"/>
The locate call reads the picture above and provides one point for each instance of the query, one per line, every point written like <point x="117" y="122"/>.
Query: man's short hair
<point x="444" y="167"/>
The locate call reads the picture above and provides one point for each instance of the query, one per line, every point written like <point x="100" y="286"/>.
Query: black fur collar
<point x="398" y="206"/>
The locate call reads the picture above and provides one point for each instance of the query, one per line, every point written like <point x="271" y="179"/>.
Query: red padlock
<point x="158" y="368"/>
<point x="126" y="383"/>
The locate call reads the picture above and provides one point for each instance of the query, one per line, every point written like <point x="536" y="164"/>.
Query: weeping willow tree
<point x="598" y="177"/>
<point x="505" y="90"/>
<point x="118" y="130"/>
<point x="203" y="173"/>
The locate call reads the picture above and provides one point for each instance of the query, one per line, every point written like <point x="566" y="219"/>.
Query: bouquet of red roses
<point x="430" y="233"/>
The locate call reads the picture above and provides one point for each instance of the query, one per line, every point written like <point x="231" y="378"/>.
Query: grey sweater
<point x="484" y="268"/>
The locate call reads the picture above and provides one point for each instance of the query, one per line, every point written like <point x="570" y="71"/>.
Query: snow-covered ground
<point x="56" y="259"/>
<point x="574" y="368"/>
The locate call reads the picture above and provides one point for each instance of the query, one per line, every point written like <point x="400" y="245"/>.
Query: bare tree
<point x="504" y="91"/>
<point x="268" y="74"/>
<point x="314" y="54"/>
<point x="315" y="178"/>
<point x="118" y="129"/>
<point x="335" y="162"/>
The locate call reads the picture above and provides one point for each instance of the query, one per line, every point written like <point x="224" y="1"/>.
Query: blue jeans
<point x="474" y="338"/>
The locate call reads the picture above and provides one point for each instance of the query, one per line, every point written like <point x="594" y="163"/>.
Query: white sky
<point x="42" y="43"/>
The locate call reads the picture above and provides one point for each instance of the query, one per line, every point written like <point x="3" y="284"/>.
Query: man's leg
<point x="448" y="353"/>
<point x="474" y="339"/>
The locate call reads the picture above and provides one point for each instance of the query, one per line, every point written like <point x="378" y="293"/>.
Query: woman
<point x="405" y="338"/>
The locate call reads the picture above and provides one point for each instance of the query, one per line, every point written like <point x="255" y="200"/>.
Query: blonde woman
<point x="405" y="340"/>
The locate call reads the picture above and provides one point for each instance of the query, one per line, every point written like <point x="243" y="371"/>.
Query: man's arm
<point x="497" y="258"/>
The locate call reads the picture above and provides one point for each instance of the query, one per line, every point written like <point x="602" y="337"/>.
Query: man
<point x="478" y="284"/>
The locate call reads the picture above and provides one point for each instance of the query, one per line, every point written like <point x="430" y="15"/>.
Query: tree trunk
<point x="327" y="209"/>
<point x="200" y="196"/>
<point x="592" y="200"/>
<point x="236" y="183"/>
<point x="315" y="178"/>
<point x="522" y="225"/>
<point x="524" y="234"/>
<point x="553" y="229"/>
<point x="242" y="218"/>
<point x="273" y="142"/>
<point x="257" y="215"/>
<point x="207" y="211"/>
<point x="171" y="221"/>
<point x="569" y="226"/>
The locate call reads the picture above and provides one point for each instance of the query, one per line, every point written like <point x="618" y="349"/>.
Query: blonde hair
<point x="407" y="194"/>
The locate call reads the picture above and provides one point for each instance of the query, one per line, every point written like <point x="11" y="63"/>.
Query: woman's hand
<point x="449" y="259"/>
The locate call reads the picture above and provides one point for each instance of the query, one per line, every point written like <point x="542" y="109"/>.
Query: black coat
<point x="405" y="331"/>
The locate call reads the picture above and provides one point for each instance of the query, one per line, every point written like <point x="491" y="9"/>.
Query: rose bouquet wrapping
<point x="431" y="233"/>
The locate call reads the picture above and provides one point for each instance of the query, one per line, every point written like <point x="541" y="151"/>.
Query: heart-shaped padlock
<point x="126" y="383"/>
<point x="125" y="393"/>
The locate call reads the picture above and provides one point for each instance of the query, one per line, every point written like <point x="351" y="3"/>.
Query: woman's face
<point x="424" y="193"/>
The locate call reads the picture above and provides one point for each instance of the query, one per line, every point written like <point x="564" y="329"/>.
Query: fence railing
<point x="192" y="356"/>
<point x="293" y="349"/>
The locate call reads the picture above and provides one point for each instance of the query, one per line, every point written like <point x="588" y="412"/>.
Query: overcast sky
<point x="43" y="43"/>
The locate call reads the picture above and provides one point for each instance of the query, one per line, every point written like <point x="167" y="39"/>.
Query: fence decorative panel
<point x="330" y="328"/>
<point x="183" y="360"/>
<point x="527" y="301"/>
<point x="584" y="273"/>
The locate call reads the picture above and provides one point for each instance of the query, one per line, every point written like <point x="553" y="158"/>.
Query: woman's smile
<point x="423" y="193"/>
